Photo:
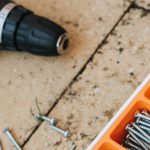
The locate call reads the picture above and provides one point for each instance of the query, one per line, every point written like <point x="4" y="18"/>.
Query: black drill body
<point x="25" y="31"/>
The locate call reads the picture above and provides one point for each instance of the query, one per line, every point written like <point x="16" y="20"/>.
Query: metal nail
<point x="145" y="128"/>
<point x="131" y="130"/>
<point x="128" y="137"/>
<point x="131" y="145"/>
<point x="141" y="131"/>
<point x="138" y="137"/>
<point x="11" y="138"/>
<point x="40" y="117"/>
<point x="142" y="122"/>
<point x="145" y="112"/>
<point x="138" y="115"/>
<point x="73" y="146"/>
<point x="139" y="141"/>
<point x="64" y="133"/>
<point x="1" y="146"/>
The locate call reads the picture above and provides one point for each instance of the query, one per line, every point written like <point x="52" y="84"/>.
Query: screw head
<point x="38" y="117"/>
<point x="128" y="126"/>
<point x="66" y="134"/>
<point x="136" y="115"/>
<point x="5" y="130"/>
<point x="53" y="122"/>
<point x="146" y="113"/>
<point x="137" y="120"/>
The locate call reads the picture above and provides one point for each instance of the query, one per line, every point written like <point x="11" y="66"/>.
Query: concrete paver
<point x="25" y="77"/>
<point x="143" y="3"/>
<point x="115" y="72"/>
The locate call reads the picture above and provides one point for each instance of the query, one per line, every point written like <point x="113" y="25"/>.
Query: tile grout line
<point x="82" y="69"/>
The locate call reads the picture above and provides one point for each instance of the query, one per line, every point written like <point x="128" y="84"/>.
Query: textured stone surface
<point x="109" y="79"/>
<point x="25" y="77"/>
<point x="144" y="3"/>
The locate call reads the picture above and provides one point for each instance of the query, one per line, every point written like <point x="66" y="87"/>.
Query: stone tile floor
<point x="109" y="48"/>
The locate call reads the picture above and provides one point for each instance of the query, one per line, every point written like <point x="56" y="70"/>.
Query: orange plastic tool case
<point x="111" y="137"/>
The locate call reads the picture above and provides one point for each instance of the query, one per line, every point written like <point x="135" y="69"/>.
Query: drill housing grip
<point x="22" y="30"/>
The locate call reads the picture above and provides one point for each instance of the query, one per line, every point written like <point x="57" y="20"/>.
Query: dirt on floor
<point x="109" y="57"/>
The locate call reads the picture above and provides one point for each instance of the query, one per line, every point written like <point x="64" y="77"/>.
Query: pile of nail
<point x="39" y="117"/>
<point x="53" y="122"/>
<point x="138" y="137"/>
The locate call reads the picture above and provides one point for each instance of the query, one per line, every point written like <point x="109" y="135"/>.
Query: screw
<point x="145" y="128"/>
<point x="141" y="122"/>
<point x="132" y="138"/>
<point x="128" y="137"/>
<point x="0" y="146"/>
<point x="139" y="141"/>
<point x="64" y="133"/>
<point x="131" y="130"/>
<point x="52" y="121"/>
<point x="138" y="132"/>
<point x="9" y="135"/>
<point x="145" y="112"/>
<point x="141" y="131"/>
<point x="138" y="115"/>
<point x="131" y="145"/>
<point x="73" y="146"/>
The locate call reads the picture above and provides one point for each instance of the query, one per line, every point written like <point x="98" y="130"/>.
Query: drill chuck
<point x="22" y="30"/>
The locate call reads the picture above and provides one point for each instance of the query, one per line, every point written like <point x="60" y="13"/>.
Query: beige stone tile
<point x="143" y="3"/>
<point x="24" y="77"/>
<point x="113" y="75"/>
